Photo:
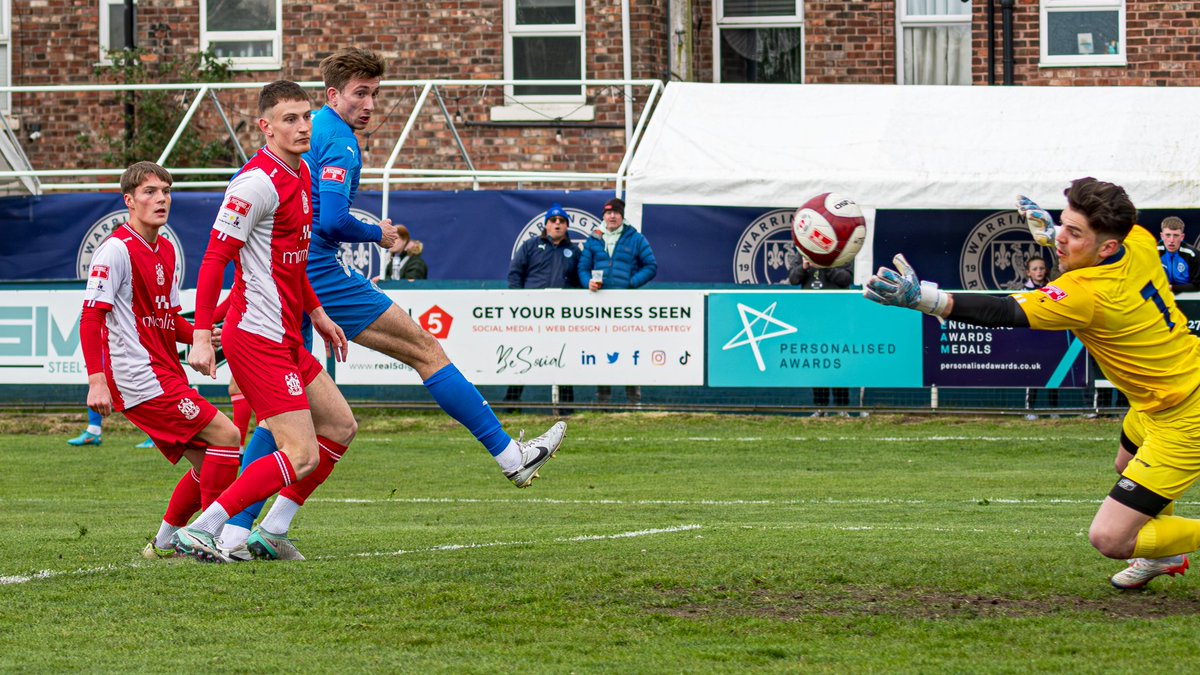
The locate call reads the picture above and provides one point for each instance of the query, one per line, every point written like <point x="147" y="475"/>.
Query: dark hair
<point x="279" y="91"/>
<point x="1107" y="207"/>
<point x="349" y="63"/>
<point x="137" y="173"/>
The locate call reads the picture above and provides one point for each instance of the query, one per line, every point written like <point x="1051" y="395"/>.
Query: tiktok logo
<point x="683" y="360"/>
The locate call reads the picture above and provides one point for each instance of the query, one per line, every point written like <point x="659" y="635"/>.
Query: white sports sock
<point x="163" y="538"/>
<point x="279" y="518"/>
<point x="233" y="536"/>
<point x="510" y="458"/>
<point x="94" y="429"/>
<point x="212" y="519"/>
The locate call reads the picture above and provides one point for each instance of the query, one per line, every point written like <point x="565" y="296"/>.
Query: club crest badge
<point x="292" y="381"/>
<point x="765" y="250"/>
<point x="995" y="253"/>
<point x="189" y="409"/>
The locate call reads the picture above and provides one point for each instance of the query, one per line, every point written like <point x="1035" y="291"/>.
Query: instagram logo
<point x="658" y="357"/>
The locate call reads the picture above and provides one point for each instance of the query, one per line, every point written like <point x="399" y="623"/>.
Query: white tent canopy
<point x="914" y="147"/>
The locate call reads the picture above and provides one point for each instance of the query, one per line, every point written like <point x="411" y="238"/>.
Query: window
<point x="1083" y="33"/>
<point x="543" y="40"/>
<point x="246" y="32"/>
<point x="934" y="42"/>
<point x="112" y="27"/>
<point x="5" y="53"/>
<point x="759" y="41"/>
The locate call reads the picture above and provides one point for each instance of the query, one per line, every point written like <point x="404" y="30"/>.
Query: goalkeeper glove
<point x="901" y="288"/>
<point x="1040" y="224"/>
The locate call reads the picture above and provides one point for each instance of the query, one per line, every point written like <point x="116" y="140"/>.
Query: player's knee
<point x="304" y="460"/>
<point x="1111" y="544"/>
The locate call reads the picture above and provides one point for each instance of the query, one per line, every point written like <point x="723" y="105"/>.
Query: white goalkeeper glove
<point x="1038" y="220"/>
<point x="901" y="288"/>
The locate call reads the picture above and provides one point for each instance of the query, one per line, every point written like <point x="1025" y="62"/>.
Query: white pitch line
<point x="50" y="574"/>
<point x="708" y="502"/>
<point x="801" y="439"/>
<point x="581" y="538"/>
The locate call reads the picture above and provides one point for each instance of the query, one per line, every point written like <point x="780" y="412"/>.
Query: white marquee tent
<point x="914" y="147"/>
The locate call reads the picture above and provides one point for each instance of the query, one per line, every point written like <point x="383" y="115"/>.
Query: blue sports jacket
<point x="631" y="265"/>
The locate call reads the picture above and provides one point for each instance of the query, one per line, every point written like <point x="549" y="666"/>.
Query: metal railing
<point x="387" y="175"/>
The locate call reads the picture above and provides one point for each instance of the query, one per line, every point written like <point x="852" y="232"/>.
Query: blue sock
<point x="94" y="418"/>
<point x="261" y="444"/>
<point x="462" y="401"/>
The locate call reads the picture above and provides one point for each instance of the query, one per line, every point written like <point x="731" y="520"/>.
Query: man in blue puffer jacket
<point x="625" y="258"/>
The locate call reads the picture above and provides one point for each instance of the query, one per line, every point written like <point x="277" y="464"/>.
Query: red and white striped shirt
<point x="266" y="215"/>
<point x="135" y="283"/>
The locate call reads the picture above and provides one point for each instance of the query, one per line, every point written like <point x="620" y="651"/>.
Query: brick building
<point x="564" y="128"/>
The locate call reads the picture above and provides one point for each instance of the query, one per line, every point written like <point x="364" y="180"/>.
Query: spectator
<point x="802" y="273"/>
<point x="1178" y="259"/>
<point x="616" y="257"/>
<point x="1037" y="275"/>
<point x="548" y="260"/>
<point x="405" y="261"/>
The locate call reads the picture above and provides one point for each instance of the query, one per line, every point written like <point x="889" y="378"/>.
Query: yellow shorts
<point x="1133" y="427"/>
<point x="1168" y="462"/>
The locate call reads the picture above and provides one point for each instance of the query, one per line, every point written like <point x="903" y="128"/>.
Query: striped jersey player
<point x="128" y="331"/>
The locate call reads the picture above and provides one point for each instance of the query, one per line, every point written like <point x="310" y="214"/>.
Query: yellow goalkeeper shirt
<point x="1125" y="314"/>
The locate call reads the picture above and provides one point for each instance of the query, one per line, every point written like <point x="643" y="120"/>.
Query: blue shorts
<point x="349" y="298"/>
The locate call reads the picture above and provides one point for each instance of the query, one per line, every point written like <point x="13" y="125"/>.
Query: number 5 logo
<point x="436" y="322"/>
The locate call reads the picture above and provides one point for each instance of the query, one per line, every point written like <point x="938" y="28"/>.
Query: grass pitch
<point x="654" y="543"/>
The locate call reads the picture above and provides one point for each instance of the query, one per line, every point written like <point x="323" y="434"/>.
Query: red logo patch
<point x="820" y="239"/>
<point x="99" y="271"/>
<point x="1053" y="292"/>
<point x="239" y="206"/>
<point x="333" y="173"/>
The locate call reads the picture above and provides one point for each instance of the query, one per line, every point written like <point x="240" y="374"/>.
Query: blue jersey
<point x="335" y="163"/>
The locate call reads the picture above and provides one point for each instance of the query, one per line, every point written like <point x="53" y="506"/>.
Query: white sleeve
<point x="110" y="271"/>
<point x="250" y="198"/>
<point x="175" y="278"/>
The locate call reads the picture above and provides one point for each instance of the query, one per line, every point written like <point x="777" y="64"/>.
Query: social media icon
<point x="658" y="357"/>
<point x="612" y="358"/>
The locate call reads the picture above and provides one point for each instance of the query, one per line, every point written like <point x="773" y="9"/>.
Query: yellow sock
<point x="1166" y="536"/>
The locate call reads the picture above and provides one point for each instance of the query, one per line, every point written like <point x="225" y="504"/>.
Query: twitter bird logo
<point x="612" y="358"/>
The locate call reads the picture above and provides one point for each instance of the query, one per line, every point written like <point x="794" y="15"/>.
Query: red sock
<point x="330" y="454"/>
<point x="241" y="415"/>
<point x="218" y="473"/>
<point x="259" y="481"/>
<point x="185" y="500"/>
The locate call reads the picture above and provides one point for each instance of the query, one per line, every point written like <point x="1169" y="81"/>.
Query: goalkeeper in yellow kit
<point x="1114" y="296"/>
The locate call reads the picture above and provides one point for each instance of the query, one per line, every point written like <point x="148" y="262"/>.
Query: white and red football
<point x="829" y="229"/>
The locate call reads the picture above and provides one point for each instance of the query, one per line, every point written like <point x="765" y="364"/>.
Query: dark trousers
<point x="632" y="392"/>
<point x="841" y="396"/>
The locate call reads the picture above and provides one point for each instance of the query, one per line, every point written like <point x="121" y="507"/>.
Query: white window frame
<point x="903" y="20"/>
<point x="274" y="62"/>
<point x="567" y="107"/>
<point x="1049" y="7"/>
<point x="6" y="40"/>
<point x="792" y="21"/>
<point x="105" y="48"/>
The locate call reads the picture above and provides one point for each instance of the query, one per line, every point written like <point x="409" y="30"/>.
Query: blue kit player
<point x="352" y="78"/>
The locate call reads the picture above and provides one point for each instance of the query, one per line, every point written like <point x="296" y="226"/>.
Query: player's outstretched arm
<point x="901" y="288"/>
<point x="1038" y="220"/>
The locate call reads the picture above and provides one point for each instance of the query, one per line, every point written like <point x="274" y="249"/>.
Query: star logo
<point x="748" y="336"/>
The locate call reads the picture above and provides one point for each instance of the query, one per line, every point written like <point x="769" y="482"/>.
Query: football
<point x="829" y="229"/>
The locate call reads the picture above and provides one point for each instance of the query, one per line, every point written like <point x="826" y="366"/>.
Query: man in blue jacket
<point x="548" y="260"/>
<point x="1180" y="261"/>
<point x="625" y="258"/>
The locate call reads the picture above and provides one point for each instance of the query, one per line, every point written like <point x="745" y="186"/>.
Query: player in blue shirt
<point x="352" y="78"/>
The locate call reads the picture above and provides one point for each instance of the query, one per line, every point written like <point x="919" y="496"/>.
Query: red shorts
<point x="173" y="420"/>
<point x="272" y="376"/>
